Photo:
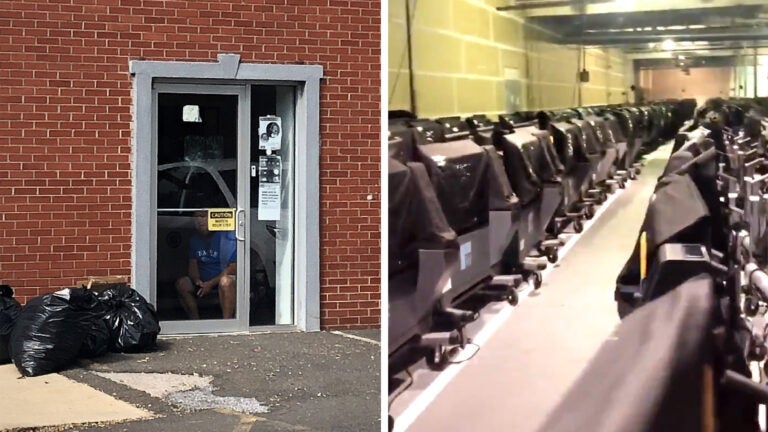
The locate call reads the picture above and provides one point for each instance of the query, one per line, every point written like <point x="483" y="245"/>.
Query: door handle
<point x="274" y="230"/>
<point x="240" y="223"/>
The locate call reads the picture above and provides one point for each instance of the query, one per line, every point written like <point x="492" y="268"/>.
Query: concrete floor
<point x="541" y="346"/>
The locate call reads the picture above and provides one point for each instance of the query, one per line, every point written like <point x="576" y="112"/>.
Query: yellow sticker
<point x="221" y="219"/>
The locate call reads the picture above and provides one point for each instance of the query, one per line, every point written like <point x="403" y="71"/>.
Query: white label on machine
<point x="522" y="245"/>
<point x="465" y="253"/>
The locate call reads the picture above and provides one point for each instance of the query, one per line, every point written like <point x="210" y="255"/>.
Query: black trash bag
<point x="132" y="321"/>
<point x="51" y="329"/>
<point x="98" y="341"/>
<point x="9" y="312"/>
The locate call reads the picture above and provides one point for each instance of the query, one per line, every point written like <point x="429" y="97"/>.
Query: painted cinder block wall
<point x="66" y="128"/>
<point x="701" y="84"/>
<point x="464" y="50"/>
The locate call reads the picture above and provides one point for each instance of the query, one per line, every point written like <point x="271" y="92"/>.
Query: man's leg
<point x="186" y="292"/>
<point x="228" y="296"/>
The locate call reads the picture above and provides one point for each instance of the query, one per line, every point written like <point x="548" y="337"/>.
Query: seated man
<point x="212" y="267"/>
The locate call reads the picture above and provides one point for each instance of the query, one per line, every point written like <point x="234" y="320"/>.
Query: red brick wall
<point x="65" y="129"/>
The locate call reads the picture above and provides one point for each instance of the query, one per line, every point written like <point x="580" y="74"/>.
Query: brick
<point x="67" y="119"/>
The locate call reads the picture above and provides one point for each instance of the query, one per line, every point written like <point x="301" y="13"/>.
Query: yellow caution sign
<point x="221" y="219"/>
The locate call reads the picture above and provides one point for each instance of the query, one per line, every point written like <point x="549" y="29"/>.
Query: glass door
<point x="224" y="212"/>
<point x="271" y="204"/>
<point x="200" y="282"/>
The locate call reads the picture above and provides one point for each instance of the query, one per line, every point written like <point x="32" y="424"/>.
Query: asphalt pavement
<point x="318" y="381"/>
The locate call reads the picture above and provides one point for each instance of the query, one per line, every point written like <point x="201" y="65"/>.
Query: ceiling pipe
<point x="527" y="5"/>
<point x="680" y="37"/>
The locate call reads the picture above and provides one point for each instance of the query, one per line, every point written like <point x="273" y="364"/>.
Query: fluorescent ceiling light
<point x="696" y="26"/>
<point x="668" y="45"/>
<point x="677" y="27"/>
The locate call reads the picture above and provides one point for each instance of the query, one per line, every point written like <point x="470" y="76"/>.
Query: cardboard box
<point x="102" y="283"/>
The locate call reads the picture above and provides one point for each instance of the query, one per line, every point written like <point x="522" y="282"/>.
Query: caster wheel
<point x="751" y="306"/>
<point x="600" y="198"/>
<point x="535" y="280"/>
<point x="622" y="185"/>
<point x="512" y="298"/>
<point x="633" y="175"/>
<point x="437" y="360"/>
<point x="624" y="308"/>
<point x="589" y="212"/>
<point x="552" y="256"/>
<point x="638" y="171"/>
<point x="578" y="226"/>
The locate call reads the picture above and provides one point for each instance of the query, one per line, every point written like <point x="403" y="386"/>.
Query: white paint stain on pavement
<point x="192" y="392"/>
<point x="157" y="384"/>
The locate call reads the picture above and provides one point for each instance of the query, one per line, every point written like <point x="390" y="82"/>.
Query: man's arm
<point x="194" y="272"/>
<point x="208" y="285"/>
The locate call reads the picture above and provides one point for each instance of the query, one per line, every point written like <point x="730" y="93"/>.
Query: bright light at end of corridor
<point x="668" y="45"/>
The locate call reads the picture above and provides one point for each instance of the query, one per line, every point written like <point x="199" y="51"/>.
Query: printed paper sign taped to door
<point x="270" y="170"/>
<point x="221" y="219"/>
<point x="270" y="133"/>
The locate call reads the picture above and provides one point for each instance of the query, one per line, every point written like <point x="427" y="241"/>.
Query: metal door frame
<point x="229" y="71"/>
<point x="240" y="322"/>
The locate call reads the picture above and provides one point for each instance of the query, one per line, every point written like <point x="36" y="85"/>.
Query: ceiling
<point x="654" y="32"/>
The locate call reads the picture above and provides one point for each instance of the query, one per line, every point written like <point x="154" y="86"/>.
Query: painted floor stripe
<point x="351" y="336"/>
<point x="426" y="397"/>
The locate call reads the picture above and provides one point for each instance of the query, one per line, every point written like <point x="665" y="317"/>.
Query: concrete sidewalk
<point x="267" y="382"/>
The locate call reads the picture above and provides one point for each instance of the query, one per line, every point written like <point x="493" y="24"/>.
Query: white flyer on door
<point x="270" y="133"/>
<point x="269" y="187"/>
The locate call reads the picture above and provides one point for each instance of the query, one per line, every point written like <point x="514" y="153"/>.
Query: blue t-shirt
<point x="214" y="253"/>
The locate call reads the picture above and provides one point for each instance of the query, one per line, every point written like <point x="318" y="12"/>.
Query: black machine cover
<point x="401" y="141"/>
<point x="522" y="178"/>
<point x="649" y="377"/>
<point x="683" y="209"/>
<point x="428" y="131"/>
<point x="482" y="129"/>
<point x="457" y="171"/>
<point x="567" y="142"/>
<point x="589" y="137"/>
<point x="416" y="220"/>
<point x="535" y="152"/>
<point x="455" y="128"/>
